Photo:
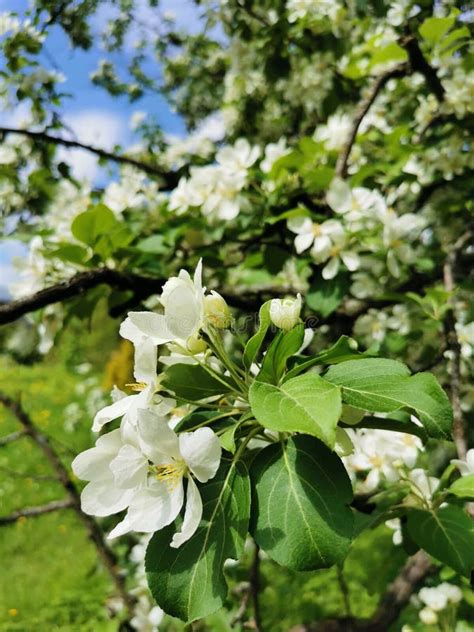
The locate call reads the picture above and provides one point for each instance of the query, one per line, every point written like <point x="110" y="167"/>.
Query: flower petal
<point x="146" y="354"/>
<point x="331" y="268"/>
<point x="300" y="224"/>
<point x="351" y="260"/>
<point x="201" y="451"/>
<point x="129" y="468"/>
<point x="157" y="440"/>
<point x="151" y="508"/>
<point x="339" y="196"/>
<point x="183" y="311"/>
<point x="94" y="463"/>
<point x="192" y="515"/>
<point x="109" y="413"/>
<point x="303" y="241"/>
<point x="149" y="325"/>
<point x="102" y="498"/>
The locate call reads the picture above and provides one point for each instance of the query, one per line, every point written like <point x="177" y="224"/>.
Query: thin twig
<point x="244" y="589"/>
<point x="171" y="179"/>
<point x="33" y="512"/>
<point x="344" y="590"/>
<point x="13" y="436"/>
<point x="360" y="113"/>
<point x="254" y="580"/>
<point x="73" y="497"/>
<point x="453" y="344"/>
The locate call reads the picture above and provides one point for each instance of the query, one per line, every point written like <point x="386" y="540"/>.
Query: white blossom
<point x="335" y="132"/>
<point x="328" y="243"/>
<point x="465" y="335"/>
<point x="273" y="152"/>
<point x="143" y="470"/>
<point x="382" y="454"/>
<point x="285" y="313"/>
<point x="465" y="467"/>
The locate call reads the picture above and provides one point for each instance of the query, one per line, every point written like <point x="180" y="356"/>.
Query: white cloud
<point x="99" y="128"/>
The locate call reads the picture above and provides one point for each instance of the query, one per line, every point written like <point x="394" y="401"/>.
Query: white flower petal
<point x="94" y="463"/>
<point x="201" y="451"/>
<point x="198" y="276"/>
<point x="303" y="241"/>
<point x="109" y="413"/>
<point x="151" y="325"/>
<point x="339" y="196"/>
<point x="157" y="440"/>
<point x="331" y="268"/>
<point x="321" y="248"/>
<point x="151" y="508"/>
<point x="146" y="354"/>
<point x="351" y="260"/>
<point x="192" y="515"/>
<point x="183" y="312"/>
<point x="130" y="467"/>
<point x="102" y="498"/>
<point x="300" y="224"/>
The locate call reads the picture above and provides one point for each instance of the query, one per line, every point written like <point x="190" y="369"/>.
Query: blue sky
<point x="95" y="117"/>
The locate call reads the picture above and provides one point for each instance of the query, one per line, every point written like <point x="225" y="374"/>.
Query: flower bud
<point x="428" y="616"/>
<point x="285" y="313"/>
<point x="216" y="311"/>
<point x="195" y="345"/>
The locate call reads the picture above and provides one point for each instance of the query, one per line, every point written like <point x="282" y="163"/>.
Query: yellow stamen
<point x="170" y="473"/>
<point x="316" y="230"/>
<point x="137" y="386"/>
<point x="376" y="461"/>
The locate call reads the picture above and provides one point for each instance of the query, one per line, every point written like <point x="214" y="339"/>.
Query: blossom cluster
<point x="142" y="465"/>
<point x="216" y="188"/>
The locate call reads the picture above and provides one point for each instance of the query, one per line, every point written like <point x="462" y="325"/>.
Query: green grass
<point x="49" y="575"/>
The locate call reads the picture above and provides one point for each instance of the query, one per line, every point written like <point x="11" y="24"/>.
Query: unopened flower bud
<point x="195" y="344"/>
<point x="428" y="616"/>
<point x="285" y="313"/>
<point x="216" y="311"/>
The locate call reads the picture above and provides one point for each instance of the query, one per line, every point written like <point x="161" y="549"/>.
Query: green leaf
<point x="447" y="535"/>
<point x="285" y="344"/>
<point x="454" y="41"/>
<point x="344" y="349"/>
<point x="300" y="506"/>
<point x="306" y="403"/>
<point x="192" y="381"/>
<point x="189" y="582"/>
<point x="433" y="29"/>
<point x="227" y="438"/>
<point x="70" y="253"/>
<point x="381" y="385"/>
<point x="255" y="342"/>
<point x="90" y="225"/>
<point x="326" y="296"/>
<point x="154" y="245"/>
<point x="390" y="53"/>
<point x="463" y="487"/>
